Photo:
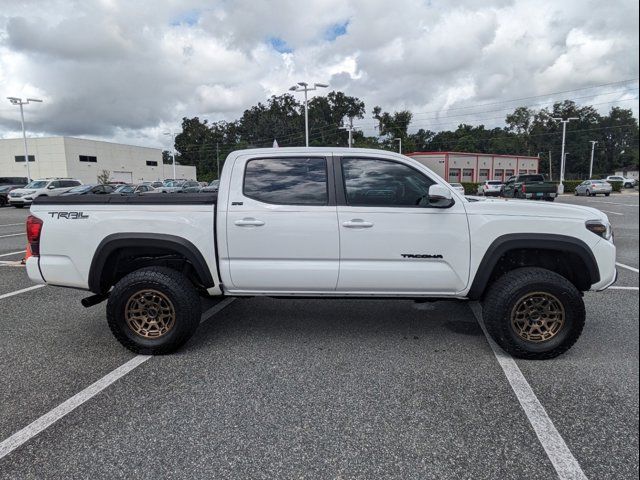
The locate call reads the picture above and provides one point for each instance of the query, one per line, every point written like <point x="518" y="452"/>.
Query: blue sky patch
<point x="336" y="30"/>
<point x="190" y="17"/>
<point x="279" y="45"/>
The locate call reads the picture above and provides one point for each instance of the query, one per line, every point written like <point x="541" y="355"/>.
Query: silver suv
<point x="49" y="187"/>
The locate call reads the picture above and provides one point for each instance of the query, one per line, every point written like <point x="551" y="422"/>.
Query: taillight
<point x="34" y="228"/>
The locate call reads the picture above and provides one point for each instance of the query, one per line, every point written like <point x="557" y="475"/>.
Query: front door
<point x="390" y="241"/>
<point x="282" y="228"/>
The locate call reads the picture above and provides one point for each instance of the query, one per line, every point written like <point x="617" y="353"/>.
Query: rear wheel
<point x="534" y="313"/>
<point x="153" y="311"/>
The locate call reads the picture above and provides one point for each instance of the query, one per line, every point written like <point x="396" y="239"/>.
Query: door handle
<point x="249" y="222"/>
<point x="357" y="223"/>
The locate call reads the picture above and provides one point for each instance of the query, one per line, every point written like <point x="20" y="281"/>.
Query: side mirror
<point x="50" y="187"/>
<point x="440" y="197"/>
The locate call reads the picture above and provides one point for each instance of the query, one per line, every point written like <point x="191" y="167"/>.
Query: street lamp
<point x="562" y="156"/>
<point x="304" y="87"/>
<point x="21" y="103"/>
<point x="173" y="150"/>
<point x="593" y="147"/>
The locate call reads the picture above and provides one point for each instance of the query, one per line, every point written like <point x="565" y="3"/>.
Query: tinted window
<point x="288" y="181"/>
<point x="37" y="184"/>
<point x="382" y="182"/>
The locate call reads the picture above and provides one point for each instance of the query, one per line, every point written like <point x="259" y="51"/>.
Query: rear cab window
<point x="287" y="181"/>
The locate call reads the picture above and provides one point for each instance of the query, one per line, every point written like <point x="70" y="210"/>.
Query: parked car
<point x="591" y="188"/>
<point x="171" y="186"/>
<point x="212" y="187"/>
<point x="626" y="182"/>
<point x="49" y="187"/>
<point x="190" y="186"/>
<point x="183" y="186"/>
<point x="490" y="188"/>
<point x="458" y="188"/>
<point x="20" y="181"/>
<point x="133" y="189"/>
<point x="90" y="188"/>
<point x="4" y="193"/>
<point x="281" y="226"/>
<point x="533" y="187"/>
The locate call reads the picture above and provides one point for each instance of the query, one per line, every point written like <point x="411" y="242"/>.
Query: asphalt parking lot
<point x="317" y="388"/>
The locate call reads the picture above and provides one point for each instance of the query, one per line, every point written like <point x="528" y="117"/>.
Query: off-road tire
<point x="502" y="297"/>
<point x="173" y="286"/>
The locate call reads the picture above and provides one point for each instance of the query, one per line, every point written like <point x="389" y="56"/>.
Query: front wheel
<point x="534" y="313"/>
<point x="153" y="311"/>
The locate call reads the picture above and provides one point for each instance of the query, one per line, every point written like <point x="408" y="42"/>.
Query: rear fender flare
<point x="116" y="241"/>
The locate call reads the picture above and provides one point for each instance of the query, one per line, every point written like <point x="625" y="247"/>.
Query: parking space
<point x="317" y="389"/>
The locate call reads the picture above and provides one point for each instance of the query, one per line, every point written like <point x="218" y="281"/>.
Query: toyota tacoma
<point x="324" y="222"/>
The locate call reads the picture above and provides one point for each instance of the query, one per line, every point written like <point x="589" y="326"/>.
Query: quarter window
<point x="373" y="182"/>
<point x="287" y="181"/>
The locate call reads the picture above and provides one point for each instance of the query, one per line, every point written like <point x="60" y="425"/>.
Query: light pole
<point x="21" y="103"/>
<point x="349" y="128"/>
<point x="562" y="156"/>
<point x="593" y="147"/>
<point x="173" y="150"/>
<point x="304" y="87"/>
<point x="399" y="140"/>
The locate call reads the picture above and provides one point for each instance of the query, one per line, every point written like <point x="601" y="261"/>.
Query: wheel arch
<point x="115" y="245"/>
<point x="561" y="250"/>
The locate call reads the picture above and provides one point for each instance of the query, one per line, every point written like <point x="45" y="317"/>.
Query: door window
<point x="287" y="181"/>
<point x="370" y="182"/>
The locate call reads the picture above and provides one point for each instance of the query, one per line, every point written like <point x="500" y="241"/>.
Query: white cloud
<point x="128" y="71"/>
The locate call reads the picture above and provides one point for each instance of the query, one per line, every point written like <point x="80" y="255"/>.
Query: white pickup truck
<point x="324" y="222"/>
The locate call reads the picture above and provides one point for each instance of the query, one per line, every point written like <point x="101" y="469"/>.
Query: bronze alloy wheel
<point x="537" y="317"/>
<point x="150" y="314"/>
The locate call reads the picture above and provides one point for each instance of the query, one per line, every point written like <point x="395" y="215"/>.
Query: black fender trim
<point x="538" y="241"/>
<point x="113" y="242"/>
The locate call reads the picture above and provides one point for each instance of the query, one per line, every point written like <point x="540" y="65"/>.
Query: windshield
<point x="171" y="184"/>
<point x="5" y="188"/>
<point x="37" y="184"/>
<point x="81" y="188"/>
<point x="124" y="189"/>
<point x="214" y="183"/>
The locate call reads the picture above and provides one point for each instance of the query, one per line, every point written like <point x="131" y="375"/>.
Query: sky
<point x="128" y="71"/>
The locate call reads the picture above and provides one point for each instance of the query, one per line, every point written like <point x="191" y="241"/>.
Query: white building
<point x="86" y="159"/>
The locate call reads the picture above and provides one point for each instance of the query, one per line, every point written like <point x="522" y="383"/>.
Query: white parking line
<point x="11" y="224"/>
<point x="12" y="253"/>
<point x="28" y="289"/>
<point x="623" y="288"/>
<point x="613" y="213"/>
<point x="567" y="467"/>
<point x="45" y="421"/>
<point x="12" y="235"/>
<point x="627" y="267"/>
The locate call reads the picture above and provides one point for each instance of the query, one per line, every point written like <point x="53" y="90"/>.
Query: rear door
<point x="282" y="228"/>
<point x="391" y="243"/>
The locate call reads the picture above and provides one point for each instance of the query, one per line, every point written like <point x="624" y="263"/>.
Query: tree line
<point x="527" y="131"/>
